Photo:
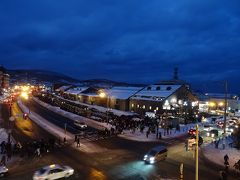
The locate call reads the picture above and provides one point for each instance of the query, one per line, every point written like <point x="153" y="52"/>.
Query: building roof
<point x="63" y="88"/>
<point x="156" y="92"/>
<point x="76" y="90"/>
<point x="221" y="96"/>
<point x="122" y="92"/>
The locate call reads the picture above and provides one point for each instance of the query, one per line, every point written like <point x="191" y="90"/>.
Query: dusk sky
<point x="136" y="41"/>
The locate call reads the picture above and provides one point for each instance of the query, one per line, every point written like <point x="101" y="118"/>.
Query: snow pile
<point x="74" y="117"/>
<point x="51" y="128"/>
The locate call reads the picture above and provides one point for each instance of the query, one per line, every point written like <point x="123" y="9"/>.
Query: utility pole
<point x="225" y="108"/>
<point x="196" y="155"/>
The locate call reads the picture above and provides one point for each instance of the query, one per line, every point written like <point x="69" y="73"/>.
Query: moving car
<point x="53" y="171"/>
<point x="3" y="171"/>
<point x="213" y="133"/>
<point x="80" y="125"/>
<point x="155" y="154"/>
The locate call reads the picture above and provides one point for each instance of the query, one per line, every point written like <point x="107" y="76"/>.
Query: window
<point x="158" y="88"/>
<point x="138" y="105"/>
<point x="143" y="106"/>
<point x="148" y="88"/>
<point x="157" y="108"/>
<point x="150" y="107"/>
<point x="168" y="88"/>
<point x="132" y="105"/>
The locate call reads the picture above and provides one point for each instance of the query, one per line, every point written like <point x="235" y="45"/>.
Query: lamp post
<point x="196" y="155"/>
<point x="103" y="94"/>
<point x="225" y="108"/>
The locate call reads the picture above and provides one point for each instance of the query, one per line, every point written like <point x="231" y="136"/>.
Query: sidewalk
<point x="74" y="117"/>
<point x="216" y="155"/>
<point x="138" y="136"/>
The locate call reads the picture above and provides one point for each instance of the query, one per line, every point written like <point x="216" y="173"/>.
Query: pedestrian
<point x="38" y="152"/>
<point x="226" y="158"/>
<point x="147" y="133"/>
<point x="3" y="160"/>
<point x="160" y="135"/>
<point x="78" y="142"/>
<point x="76" y="137"/>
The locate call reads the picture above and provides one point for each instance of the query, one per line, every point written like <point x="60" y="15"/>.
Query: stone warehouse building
<point x="169" y="97"/>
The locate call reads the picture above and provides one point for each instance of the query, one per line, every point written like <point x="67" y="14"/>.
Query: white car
<point x="53" y="171"/>
<point x="3" y="171"/>
<point x="80" y="125"/>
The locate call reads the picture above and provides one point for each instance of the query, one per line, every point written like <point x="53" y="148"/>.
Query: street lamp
<point x="103" y="94"/>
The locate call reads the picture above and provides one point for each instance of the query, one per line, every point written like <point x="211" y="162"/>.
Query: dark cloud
<point x="132" y="41"/>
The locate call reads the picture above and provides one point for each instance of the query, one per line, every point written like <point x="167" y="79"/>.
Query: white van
<point x="156" y="154"/>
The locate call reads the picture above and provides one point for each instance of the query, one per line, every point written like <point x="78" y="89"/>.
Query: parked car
<point x="3" y="171"/>
<point x="80" y="125"/>
<point x="53" y="171"/>
<point x="155" y="154"/>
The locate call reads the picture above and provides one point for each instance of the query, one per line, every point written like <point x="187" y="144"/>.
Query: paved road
<point x="121" y="159"/>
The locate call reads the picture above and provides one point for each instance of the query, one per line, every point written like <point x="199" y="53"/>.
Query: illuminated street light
<point x="220" y="104"/>
<point x="24" y="95"/>
<point x="212" y="104"/>
<point x="102" y="94"/>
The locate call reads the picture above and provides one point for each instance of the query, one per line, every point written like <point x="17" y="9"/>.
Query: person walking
<point x="78" y="142"/>
<point x="226" y="158"/>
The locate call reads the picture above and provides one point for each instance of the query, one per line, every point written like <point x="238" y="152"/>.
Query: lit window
<point x="132" y="105"/>
<point x="138" y="105"/>
<point x="157" y="108"/>
<point x="143" y="106"/>
<point x="150" y="107"/>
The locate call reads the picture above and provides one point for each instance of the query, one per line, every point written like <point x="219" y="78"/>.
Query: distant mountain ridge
<point x="55" y="77"/>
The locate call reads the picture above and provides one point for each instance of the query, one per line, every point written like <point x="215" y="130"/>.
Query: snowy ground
<point x="59" y="132"/>
<point x="127" y="134"/>
<point x="138" y="136"/>
<point x="75" y="117"/>
<point x="216" y="155"/>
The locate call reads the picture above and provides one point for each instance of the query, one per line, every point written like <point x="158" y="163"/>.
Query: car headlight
<point x="71" y="170"/>
<point x="151" y="158"/>
<point x="145" y="157"/>
<point x="231" y="130"/>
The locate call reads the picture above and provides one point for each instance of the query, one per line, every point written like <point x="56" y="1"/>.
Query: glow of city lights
<point x="102" y="94"/>
<point x="220" y="104"/>
<point x="24" y="95"/>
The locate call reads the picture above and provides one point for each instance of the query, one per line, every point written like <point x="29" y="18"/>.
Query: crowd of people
<point x="30" y="149"/>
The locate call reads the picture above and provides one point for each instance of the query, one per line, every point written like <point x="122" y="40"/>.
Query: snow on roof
<point x="76" y="90"/>
<point x="122" y="92"/>
<point x="63" y="88"/>
<point x="156" y="92"/>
